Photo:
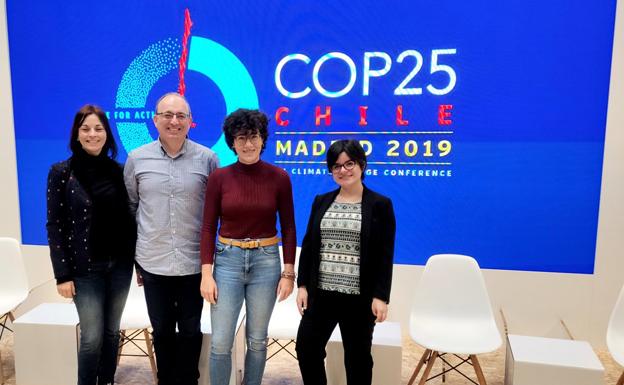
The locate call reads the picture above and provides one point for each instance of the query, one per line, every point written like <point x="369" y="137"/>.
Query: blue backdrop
<point x="484" y="121"/>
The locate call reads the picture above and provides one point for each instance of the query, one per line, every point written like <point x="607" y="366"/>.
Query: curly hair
<point x="245" y="122"/>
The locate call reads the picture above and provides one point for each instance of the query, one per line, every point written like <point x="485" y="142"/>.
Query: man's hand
<point x="139" y="277"/>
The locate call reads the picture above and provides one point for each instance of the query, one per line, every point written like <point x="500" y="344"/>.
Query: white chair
<point x="13" y="284"/>
<point x="615" y="333"/>
<point x="451" y="314"/>
<point x="285" y="320"/>
<point x="135" y="323"/>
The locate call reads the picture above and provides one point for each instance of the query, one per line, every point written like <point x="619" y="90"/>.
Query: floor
<point x="283" y="370"/>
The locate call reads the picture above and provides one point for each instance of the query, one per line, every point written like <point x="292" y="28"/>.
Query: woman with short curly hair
<point x="240" y="261"/>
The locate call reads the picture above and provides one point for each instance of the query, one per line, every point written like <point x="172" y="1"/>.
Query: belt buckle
<point x="251" y="243"/>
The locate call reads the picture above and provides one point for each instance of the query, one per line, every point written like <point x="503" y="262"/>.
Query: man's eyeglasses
<point x="241" y="140"/>
<point x="181" y="116"/>
<point x="348" y="165"/>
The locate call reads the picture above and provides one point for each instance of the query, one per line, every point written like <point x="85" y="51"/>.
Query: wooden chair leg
<point x="621" y="380"/>
<point x="122" y="340"/>
<point x="150" y="352"/>
<point x="426" y="354"/>
<point x="423" y="379"/>
<point x="1" y="370"/>
<point x="477" y="368"/>
<point x="11" y="317"/>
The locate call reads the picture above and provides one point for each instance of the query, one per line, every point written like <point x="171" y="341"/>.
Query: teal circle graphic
<point x="206" y="57"/>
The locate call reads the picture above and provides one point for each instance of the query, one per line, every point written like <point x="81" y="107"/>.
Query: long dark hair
<point x="110" y="147"/>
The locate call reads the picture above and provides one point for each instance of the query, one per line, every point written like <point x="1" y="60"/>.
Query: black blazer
<point x="69" y="221"/>
<point x="376" y="245"/>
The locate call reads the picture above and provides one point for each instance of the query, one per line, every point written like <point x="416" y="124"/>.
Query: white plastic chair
<point x="451" y="314"/>
<point x="13" y="284"/>
<point x="615" y="333"/>
<point x="135" y="323"/>
<point x="285" y="319"/>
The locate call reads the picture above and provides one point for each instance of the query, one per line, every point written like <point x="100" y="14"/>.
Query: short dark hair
<point x="90" y="109"/>
<point x="352" y="148"/>
<point x="245" y="122"/>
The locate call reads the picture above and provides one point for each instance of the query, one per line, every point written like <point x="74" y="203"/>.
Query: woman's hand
<point x="208" y="286"/>
<point x="139" y="277"/>
<point x="284" y="288"/>
<point x="302" y="299"/>
<point x="287" y="282"/>
<point x="380" y="309"/>
<point x="66" y="289"/>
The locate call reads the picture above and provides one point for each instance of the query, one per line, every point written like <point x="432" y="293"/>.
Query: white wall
<point x="533" y="303"/>
<point x="36" y="257"/>
<point x="9" y="207"/>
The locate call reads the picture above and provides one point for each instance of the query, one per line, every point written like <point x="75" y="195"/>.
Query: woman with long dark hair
<point x="92" y="235"/>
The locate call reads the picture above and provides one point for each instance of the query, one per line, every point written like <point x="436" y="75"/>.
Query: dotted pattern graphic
<point x="134" y="135"/>
<point x="145" y="70"/>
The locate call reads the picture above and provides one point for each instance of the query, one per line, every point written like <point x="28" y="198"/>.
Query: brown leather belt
<point x="248" y="243"/>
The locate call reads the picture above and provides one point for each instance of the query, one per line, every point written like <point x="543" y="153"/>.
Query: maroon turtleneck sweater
<point x="246" y="199"/>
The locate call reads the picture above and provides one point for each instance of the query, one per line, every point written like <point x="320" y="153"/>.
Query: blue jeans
<point x="175" y="302"/>
<point x="100" y="299"/>
<point x="242" y="274"/>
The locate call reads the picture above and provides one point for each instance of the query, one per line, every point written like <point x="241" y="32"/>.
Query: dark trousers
<point x="175" y="301"/>
<point x="100" y="299"/>
<point x="354" y="316"/>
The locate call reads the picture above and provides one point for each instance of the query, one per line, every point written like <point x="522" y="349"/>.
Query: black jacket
<point x="69" y="221"/>
<point x="376" y="245"/>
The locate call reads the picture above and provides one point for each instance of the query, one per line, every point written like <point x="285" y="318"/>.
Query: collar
<point x="179" y="154"/>
<point x="253" y="168"/>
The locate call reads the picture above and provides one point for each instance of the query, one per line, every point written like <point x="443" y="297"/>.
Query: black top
<point x="102" y="178"/>
<point x="88" y="215"/>
<point x="376" y="245"/>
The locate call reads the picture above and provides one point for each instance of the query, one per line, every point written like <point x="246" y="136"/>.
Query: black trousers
<point x="175" y="301"/>
<point x="353" y="314"/>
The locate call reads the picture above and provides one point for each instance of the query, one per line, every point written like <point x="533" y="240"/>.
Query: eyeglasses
<point x="181" y="116"/>
<point x="348" y="165"/>
<point x="241" y="140"/>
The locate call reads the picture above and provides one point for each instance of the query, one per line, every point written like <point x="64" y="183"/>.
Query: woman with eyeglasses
<point x="345" y="269"/>
<point x="241" y="260"/>
<point x="92" y="236"/>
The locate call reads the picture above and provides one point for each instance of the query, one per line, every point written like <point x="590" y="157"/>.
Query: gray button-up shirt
<point x="167" y="196"/>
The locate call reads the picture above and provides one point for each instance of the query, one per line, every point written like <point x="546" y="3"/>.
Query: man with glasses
<point x="166" y="181"/>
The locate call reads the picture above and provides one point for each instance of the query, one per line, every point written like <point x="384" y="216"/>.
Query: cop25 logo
<point x="206" y="57"/>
